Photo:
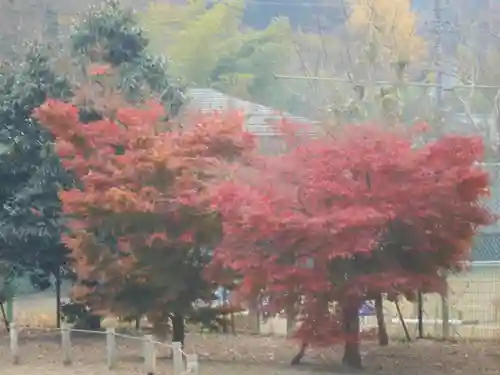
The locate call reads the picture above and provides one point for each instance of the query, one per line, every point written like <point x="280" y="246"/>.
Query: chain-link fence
<point x="473" y="308"/>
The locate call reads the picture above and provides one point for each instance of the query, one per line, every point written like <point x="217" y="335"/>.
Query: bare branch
<point x="323" y="44"/>
<point x="348" y="49"/>
<point x="467" y="110"/>
<point x="303" y="64"/>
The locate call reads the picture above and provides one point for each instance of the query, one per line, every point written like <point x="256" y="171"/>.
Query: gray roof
<point x="258" y="116"/>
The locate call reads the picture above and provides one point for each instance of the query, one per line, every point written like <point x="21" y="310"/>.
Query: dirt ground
<point x="249" y="355"/>
<point x="233" y="355"/>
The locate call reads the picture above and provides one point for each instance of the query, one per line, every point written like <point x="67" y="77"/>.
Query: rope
<point x="85" y="331"/>
<point x="162" y="344"/>
<point x="41" y="332"/>
<point x="122" y="335"/>
<point x="38" y="332"/>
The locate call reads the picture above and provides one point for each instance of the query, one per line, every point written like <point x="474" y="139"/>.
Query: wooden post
<point x="445" y="310"/>
<point x="177" y="358"/>
<point x="149" y="355"/>
<point x="14" y="345"/>
<point x="111" y="347"/>
<point x="192" y="364"/>
<point x="66" y="344"/>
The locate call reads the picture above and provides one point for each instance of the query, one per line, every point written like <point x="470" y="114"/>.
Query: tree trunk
<point x="178" y="333"/>
<point x="298" y="357"/>
<point x="383" y="338"/>
<point x="225" y="328"/>
<point x="254" y="316"/>
<point x="233" y="324"/>
<point x="402" y="321"/>
<point x="290" y="321"/>
<point x="420" y="314"/>
<point x="350" y="317"/>
<point x="4" y="317"/>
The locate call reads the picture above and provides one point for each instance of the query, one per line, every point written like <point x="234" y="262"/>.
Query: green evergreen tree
<point x="31" y="174"/>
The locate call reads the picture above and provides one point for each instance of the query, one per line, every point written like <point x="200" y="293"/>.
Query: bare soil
<point x="249" y="355"/>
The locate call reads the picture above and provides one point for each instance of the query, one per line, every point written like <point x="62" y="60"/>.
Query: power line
<point x="382" y="83"/>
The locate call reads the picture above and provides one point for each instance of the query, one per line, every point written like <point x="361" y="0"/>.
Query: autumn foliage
<point x="140" y="222"/>
<point x="165" y="211"/>
<point x="338" y="220"/>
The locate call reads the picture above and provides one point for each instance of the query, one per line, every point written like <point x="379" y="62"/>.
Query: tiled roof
<point x="258" y="116"/>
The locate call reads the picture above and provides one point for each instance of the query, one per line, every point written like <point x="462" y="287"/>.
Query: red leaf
<point x="349" y="216"/>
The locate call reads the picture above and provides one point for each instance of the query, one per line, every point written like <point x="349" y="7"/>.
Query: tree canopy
<point x="31" y="174"/>
<point x="140" y="224"/>
<point x="338" y="220"/>
<point x="111" y="34"/>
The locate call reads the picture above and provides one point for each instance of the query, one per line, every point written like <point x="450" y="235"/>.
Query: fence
<point x="473" y="308"/>
<point x="183" y="363"/>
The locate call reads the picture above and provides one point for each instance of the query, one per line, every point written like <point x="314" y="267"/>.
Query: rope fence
<point x="183" y="363"/>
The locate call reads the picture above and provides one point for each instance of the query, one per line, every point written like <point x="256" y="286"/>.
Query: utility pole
<point x="438" y="61"/>
<point x="438" y="54"/>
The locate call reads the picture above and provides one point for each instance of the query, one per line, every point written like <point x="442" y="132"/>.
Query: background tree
<point x="301" y="15"/>
<point x="388" y="32"/>
<point x="471" y="55"/>
<point x="371" y="40"/>
<point x="338" y="220"/>
<point x="95" y="42"/>
<point x="31" y="174"/>
<point x="46" y="21"/>
<point x="236" y="59"/>
<point x="140" y="223"/>
<point x="110" y="34"/>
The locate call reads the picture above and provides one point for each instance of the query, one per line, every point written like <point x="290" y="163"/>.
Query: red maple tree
<point x="140" y="222"/>
<point x="338" y="220"/>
